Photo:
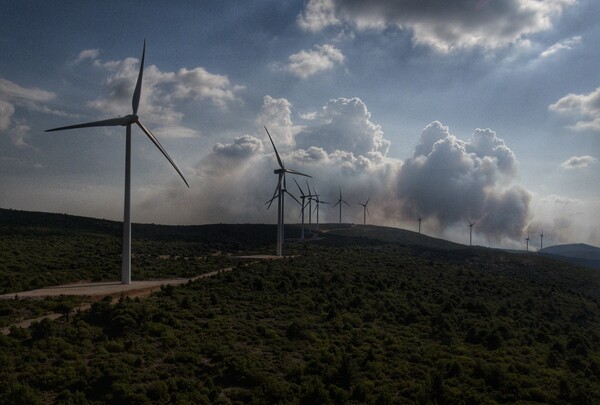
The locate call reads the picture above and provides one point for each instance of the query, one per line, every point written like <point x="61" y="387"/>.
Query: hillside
<point x="358" y="315"/>
<point x="579" y="253"/>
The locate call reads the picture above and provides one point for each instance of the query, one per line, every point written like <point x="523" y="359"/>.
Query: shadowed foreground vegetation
<point x="352" y="319"/>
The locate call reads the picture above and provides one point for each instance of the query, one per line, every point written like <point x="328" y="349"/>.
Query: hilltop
<point x="577" y="253"/>
<point x="356" y="315"/>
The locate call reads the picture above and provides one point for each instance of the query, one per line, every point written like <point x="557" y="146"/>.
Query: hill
<point x="579" y="253"/>
<point x="357" y="315"/>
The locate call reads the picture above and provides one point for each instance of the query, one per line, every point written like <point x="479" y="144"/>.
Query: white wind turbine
<point x="280" y="191"/>
<point x="340" y="201"/>
<point x="365" y="210"/>
<point x="127" y="121"/>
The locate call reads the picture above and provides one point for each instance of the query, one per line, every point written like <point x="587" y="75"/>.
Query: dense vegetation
<point x="350" y="319"/>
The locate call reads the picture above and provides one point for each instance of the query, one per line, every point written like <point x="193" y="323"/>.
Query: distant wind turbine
<point x="541" y="241"/>
<point x="527" y="240"/>
<point x="365" y="210"/>
<point x="419" y="219"/>
<point x="471" y="223"/>
<point x="317" y="203"/>
<point x="311" y="197"/>
<point x="127" y="121"/>
<point x="340" y="201"/>
<point x="303" y="203"/>
<point x="280" y="191"/>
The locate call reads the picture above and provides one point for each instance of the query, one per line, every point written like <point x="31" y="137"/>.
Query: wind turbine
<point x="527" y="240"/>
<point x="280" y="191"/>
<point x="365" y="210"/>
<point x="317" y="203"/>
<point x="340" y="201"/>
<point x="471" y="223"/>
<point x="419" y="219"/>
<point x="541" y="241"/>
<point x="127" y="121"/>
<point x="303" y="204"/>
<point x="310" y="200"/>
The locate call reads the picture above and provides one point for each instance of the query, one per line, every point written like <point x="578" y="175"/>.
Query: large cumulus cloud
<point x="345" y="124"/>
<point x="442" y="25"/>
<point x="449" y="180"/>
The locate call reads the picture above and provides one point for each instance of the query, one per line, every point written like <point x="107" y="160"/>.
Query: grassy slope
<point x="357" y="318"/>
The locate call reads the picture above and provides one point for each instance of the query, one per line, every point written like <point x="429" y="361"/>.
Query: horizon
<point x="532" y="249"/>
<point x="498" y="125"/>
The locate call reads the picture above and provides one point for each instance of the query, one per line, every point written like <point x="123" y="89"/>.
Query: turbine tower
<point x="541" y="241"/>
<point x="127" y="121"/>
<point x="340" y="201"/>
<point x="419" y="219"/>
<point x="471" y="223"/>
<point x="365" y="210"/>
<point x="527" y="240"/>
<point x="280" y="191"/>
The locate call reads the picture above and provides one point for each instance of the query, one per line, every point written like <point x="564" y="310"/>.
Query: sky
<point x="481" y="110"/>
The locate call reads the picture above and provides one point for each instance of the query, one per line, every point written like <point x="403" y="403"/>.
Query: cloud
<point x="443" y="26"/>
<point x="448" y="180"/>
<point x="12" y="91"/>
<point x="345" y="124"/>
<point x="320" y="59"/>
<point x="7" y="111"/>
<point x="578" y="162"/>
<point x="18" y="135"/>
<point x="585" y="106"/>
<point x="162" y="92"/>
<point x="566" y="44"/>
<point x="276" y="115"/>
<point x="242" y="146"/>
<point x="318" y="15"/>
<point x="13" y="95"/>
<point x="87" y="54"/>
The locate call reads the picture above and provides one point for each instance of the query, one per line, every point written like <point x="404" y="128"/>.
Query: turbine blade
<point x="336" y="204"/>
<point x="164" y="152"/>
<point x="291" y="171"/>
<point x="275" y="149"/>
<point x="274" y="197"/>
<point x="291" y="195"/>
<point x="301" y="192"/>
<point x="103" y="123"/>
<point x="368" y="199"/>
<point x="346" y="203"/>
<point x="135" y="101"/>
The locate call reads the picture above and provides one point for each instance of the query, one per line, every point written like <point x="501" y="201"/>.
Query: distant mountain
<point x="576" y="253"/>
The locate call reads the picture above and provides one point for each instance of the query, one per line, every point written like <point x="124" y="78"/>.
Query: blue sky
<point x="488" y="109"/>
